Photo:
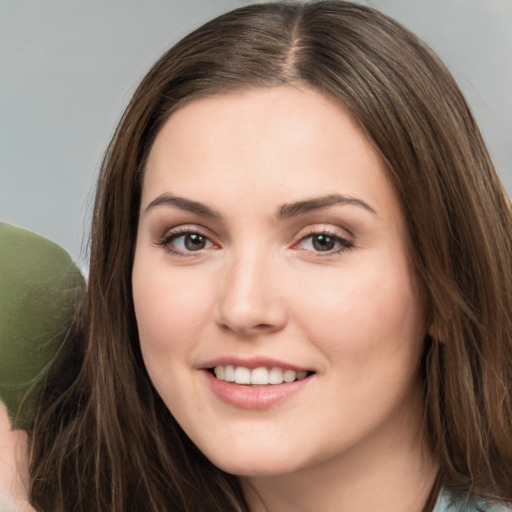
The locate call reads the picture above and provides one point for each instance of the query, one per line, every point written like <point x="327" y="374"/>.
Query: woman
<point x="297" y="196"/>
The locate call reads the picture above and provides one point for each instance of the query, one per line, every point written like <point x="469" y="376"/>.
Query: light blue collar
<point x="447" y="503"/>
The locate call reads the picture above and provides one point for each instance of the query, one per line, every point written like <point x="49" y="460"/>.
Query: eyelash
<point x="167" y="240"/>
<point x="343" y="243"/>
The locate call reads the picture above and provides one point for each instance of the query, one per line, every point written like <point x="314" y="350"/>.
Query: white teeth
<point x="275" y="376"/>
<point x="289" y="376"/>
<point x="229" y="373"/>
<point x="242" y="375"/>
<point x="258" y="376"/>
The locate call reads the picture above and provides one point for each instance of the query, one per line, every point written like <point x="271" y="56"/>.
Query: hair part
<point x="109" y="443"/>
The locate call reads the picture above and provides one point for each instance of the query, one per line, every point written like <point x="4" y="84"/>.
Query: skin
<point x="13" y="466"/>
<point x="259" y="287"/>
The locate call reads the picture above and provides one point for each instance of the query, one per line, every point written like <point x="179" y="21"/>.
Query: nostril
<point x="263" y="327"/>
<point x="249" y="331"/>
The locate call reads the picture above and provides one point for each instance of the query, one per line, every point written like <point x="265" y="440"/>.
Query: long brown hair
<point x="109" y="443"/>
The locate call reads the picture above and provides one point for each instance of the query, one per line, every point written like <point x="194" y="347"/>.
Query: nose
<point x="250" y="297"/>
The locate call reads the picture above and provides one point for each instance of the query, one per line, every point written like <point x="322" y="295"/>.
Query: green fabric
<point x="39" y="284"/>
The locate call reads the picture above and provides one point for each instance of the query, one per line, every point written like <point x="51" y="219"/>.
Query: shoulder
<point x="447" y="502"/>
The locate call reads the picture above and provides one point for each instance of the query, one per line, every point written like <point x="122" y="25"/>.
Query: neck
<point x="393" y="472"/>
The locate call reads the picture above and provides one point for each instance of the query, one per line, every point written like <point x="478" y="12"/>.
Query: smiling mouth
<point x="261" y="376"/>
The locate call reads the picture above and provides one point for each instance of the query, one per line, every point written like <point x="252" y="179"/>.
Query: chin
<point x="262" y="463"/>
<point x="252" y="469"/>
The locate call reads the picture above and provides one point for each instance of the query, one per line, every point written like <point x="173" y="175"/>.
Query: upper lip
<point x="252" y="362"/>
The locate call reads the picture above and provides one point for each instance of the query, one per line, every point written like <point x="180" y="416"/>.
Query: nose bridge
<point x="249" y="299"/>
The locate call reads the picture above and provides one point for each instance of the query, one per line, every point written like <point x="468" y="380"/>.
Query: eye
<point x="324" y="242"/>
<point x="182" y="242"/>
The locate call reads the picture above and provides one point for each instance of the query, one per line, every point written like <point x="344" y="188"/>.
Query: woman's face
<point x="271" y="247"/>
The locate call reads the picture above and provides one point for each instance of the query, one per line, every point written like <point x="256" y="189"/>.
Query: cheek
<point x="364" y="314"/>
<point x="170" y="307"/>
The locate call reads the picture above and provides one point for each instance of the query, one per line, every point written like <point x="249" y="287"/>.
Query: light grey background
<point x="68" y="68"/>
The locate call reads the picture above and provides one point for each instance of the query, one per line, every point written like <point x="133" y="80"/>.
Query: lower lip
<point x="254" y="397"/>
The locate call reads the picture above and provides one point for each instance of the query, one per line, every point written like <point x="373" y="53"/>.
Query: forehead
<point x="283" y="142"/>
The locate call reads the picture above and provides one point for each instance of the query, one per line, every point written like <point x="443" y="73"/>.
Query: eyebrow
<point x="300" y="207"/>
<point x="286" y="211"/>
<point x="184" y="204"/>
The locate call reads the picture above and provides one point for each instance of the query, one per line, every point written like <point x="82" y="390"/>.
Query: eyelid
<point x="165" y="240"/>
<point x="346" y="242"/>
<point x="327" y="229"/>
